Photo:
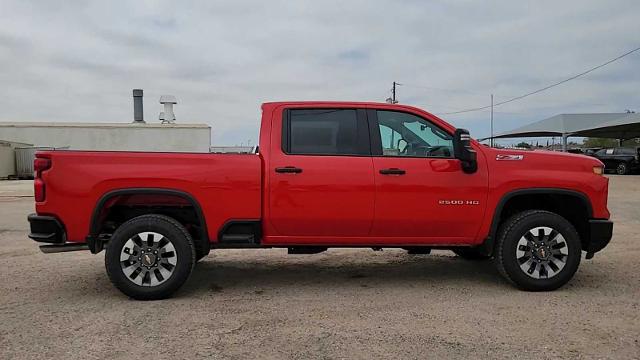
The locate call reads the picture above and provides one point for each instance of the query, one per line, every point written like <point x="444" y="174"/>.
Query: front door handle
<point x="289" y="169"/>
<point x="392" y="171"/>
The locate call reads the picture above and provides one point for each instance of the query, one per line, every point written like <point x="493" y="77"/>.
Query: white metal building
<point x="233" y="149"/>
<point x="136" y="136"/>
<point x="8" y="158"/>
<point x="110" y="136"/>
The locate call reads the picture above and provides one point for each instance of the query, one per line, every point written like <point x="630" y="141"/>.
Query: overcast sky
<point x="78" y="60"/>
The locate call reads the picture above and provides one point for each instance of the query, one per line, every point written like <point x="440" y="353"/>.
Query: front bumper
<point x="46" y="229"/>
<point x="600" y="233"/>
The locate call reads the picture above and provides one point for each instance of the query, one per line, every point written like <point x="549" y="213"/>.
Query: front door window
<point x="404" y="134"/>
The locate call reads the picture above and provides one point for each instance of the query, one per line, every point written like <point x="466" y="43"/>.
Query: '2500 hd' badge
<point x="459" y="202"/>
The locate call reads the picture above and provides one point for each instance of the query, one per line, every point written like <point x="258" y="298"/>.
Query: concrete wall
<point x="111" y="136"/>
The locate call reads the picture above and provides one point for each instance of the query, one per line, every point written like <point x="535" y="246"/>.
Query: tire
<point x="154" y="274"/>
<point x="468" y="253"/>
<point x="533" y="262"/>
<point x="622" y="168"/>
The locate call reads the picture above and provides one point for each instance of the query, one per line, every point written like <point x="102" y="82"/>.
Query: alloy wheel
<point x="148" y="259"/>
<point x="542" y="252"/>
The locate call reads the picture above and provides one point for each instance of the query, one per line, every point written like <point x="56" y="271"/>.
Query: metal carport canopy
<point x="607" y="125"/>
<point x="562" y="125"/>
<point x="626" y="127"/>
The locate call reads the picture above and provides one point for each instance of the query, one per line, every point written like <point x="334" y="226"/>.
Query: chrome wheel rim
<point x="542" y="252"/>
<point x="148" y="259"/>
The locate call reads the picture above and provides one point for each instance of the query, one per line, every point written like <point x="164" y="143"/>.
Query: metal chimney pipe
<point x="138" y="115"/>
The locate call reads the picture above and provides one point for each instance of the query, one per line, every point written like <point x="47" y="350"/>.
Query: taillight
<point x="38" y="189"/>
<point x="39" y="165"/>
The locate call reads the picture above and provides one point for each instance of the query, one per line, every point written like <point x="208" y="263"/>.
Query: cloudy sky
<point x="79" y="60"/>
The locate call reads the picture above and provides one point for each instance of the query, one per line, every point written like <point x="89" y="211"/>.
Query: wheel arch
<point x="97" y="219"/>
<point x="545" y="199"/>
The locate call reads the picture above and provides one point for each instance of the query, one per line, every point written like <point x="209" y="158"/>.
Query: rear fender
<point x="108" y="199"/>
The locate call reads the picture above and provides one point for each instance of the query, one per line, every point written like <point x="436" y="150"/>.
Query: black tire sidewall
<point x="165" y="226"/>
<point x="621" y="169"/>
<point x="510" y="242"/>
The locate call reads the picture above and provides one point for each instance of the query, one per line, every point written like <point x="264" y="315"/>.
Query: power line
<point x="546" y="87"/>
<point x="443" y="89"/>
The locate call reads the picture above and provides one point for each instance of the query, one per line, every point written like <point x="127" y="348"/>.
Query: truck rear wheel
<point x="538" y="250"/>
<point x="150" y="257"/>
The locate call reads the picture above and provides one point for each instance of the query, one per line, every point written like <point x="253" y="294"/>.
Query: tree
<point x="523" y="145"/>
<point x="609" y="143"/>
<point x="599" y="142"/>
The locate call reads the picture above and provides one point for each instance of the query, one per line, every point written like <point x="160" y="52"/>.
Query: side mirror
<point x="463" y="151"/>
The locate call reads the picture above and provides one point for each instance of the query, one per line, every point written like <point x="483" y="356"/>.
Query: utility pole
<point x="491" y="142"/>
<point x="392" y="99"/>
<point x="393" y="92"/>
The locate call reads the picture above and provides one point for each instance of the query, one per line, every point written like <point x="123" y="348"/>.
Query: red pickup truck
<point x="325" y="174"/>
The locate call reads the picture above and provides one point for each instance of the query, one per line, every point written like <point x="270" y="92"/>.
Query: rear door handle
<point x="392" y="171"/>
<point x="289" y="169"/>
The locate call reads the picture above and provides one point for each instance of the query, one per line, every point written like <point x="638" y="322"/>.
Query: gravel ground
<point x="339" y="304"/>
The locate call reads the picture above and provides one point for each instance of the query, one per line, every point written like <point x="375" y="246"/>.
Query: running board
<point x="50" y="249"/>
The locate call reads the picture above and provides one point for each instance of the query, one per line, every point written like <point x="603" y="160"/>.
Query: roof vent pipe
<point x="167" y="116"/>
<point x="138" y="115"/>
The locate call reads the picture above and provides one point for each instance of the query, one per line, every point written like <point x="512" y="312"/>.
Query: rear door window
<point x="624" y="151"/>
<point x="324" y="132"/>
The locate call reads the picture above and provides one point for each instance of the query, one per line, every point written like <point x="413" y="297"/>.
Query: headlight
<point x="598" y="170"/>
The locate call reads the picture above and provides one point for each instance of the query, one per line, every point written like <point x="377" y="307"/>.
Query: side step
<point x="238" y="238"/>
<point x="237" y="241"/>
<point x="240" y="234"/>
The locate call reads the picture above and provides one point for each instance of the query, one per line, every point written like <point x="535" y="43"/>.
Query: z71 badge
<point x="510" y="157"/>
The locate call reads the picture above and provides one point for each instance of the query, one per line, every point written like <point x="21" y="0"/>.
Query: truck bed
<point x="226" y="186"/>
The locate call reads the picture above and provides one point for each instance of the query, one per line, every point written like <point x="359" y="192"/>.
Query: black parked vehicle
<point x="591" y="151"/>
<point x="622" y="160"/>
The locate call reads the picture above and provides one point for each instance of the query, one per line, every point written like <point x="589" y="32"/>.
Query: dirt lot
<point x="339" y="304"/>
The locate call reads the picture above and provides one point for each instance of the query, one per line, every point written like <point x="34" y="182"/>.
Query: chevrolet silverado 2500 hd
<point x="326" y="174"/>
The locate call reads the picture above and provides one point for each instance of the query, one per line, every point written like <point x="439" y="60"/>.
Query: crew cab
<point x="325" y="174"/>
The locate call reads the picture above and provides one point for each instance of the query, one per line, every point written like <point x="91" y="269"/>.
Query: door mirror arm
<point x="463" y="151"/>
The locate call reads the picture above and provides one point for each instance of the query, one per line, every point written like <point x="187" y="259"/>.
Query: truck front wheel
<point x="538" y="250"/>
<point x="150" y="257"/>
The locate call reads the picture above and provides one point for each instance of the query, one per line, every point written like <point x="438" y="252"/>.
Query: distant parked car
<point x="622" y="160"/>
